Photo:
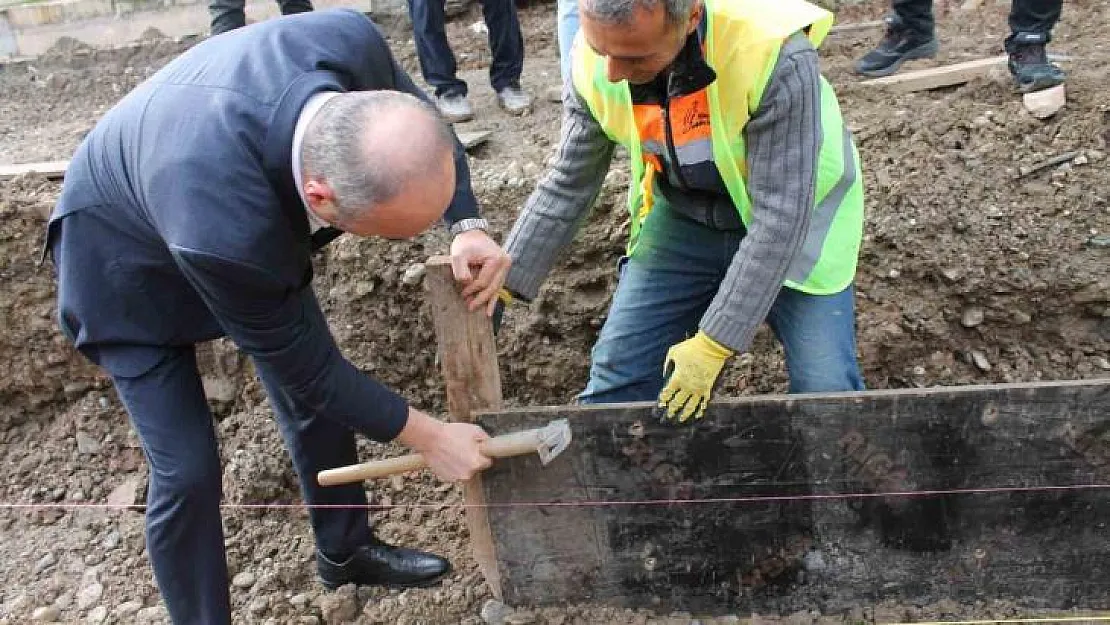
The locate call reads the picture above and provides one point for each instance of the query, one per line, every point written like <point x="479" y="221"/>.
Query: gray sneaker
<point x="455" y="108"/>
<point x="514" y="100"/>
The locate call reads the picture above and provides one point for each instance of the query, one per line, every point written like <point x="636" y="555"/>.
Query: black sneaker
<point x="1029" y="64"/>
<point x="381" y="564"/>
<point x="900" y="44"/>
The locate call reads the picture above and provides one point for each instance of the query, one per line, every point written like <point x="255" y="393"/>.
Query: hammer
<point x="547" y="442"/>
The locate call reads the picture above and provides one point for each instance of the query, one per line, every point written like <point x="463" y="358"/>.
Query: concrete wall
<point x="28" y="30"/>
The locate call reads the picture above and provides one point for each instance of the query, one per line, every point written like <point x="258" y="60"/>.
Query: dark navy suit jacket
<point x="179" y="220"/>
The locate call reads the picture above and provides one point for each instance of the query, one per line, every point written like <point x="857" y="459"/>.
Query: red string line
<point x="597" y="503"/>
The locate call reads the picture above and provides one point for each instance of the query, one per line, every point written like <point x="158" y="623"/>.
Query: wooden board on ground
<point x="53" y="170"/>
<point x="780" y="504"/>
<point x="936" y="77"/>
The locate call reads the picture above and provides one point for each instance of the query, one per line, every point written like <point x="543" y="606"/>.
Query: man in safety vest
<point x="746" y="197"/>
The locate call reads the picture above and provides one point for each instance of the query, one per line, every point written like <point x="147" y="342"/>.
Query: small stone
<point x="972" y="317"/>
<point x="86" y="444"/>
<point x="64" y="600"/>
<point x="340" y="606"/>
<point x="980" y="360"/>
<point x="494" y="612"/>
<point x="1021" y="317"/>
<point x="112" y="540"/>
<point x="128" y="608"/>
<point x="244" y="580"/>
<point x="814" y="561"/>
<point x="919" y="371"/>
<point x="894" y="274"/>
<point x="1046" y="102"/>
<point x="45" y="562"/>
<point x="1101" y="241"/>
<point x="98" y="615"/>
<point x="46" y="614"/>
<point x="89" y="596"/>
<point x="300" y="600"/>
<point x="520" y="618"/>
<point x="1080" y="160"/>
<point x="413" y="275"/>
<point x="1102" y="363"/>
<point x="153" y="614"/>
<point x="258" y="605"/>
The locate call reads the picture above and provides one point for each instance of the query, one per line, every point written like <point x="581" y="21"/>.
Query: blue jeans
<point x="665" y="288"/>
<point x="567" y="22"/>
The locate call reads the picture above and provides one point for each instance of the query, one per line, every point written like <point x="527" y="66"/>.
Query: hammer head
<point x="553" y="439"/>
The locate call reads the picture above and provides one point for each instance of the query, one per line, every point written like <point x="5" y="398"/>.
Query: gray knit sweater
<point x="782" y="137"/>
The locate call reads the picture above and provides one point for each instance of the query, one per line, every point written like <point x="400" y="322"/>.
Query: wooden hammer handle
<point x="505" y="446"/>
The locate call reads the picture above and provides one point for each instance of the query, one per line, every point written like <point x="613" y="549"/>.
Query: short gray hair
<point x="620" y="11"/>
<point x="340" y="147"/>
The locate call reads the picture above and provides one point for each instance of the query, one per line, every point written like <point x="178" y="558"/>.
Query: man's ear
<point x="321" y="199"/>
<point x="695" y="16"/>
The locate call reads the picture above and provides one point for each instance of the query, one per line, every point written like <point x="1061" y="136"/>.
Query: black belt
<point x="712" y="210"/>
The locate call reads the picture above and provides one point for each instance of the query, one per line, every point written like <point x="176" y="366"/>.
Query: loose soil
<point x="970" y="273"/>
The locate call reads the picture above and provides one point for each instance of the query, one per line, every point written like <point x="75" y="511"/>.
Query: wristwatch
<point x="474" y="223"/>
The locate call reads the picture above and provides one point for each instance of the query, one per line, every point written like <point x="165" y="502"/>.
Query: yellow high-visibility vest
<point x="742" y="43"/>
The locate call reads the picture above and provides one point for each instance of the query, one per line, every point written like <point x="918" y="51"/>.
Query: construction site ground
<point x="970" y="273"/>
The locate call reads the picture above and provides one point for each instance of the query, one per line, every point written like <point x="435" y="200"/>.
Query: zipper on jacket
<point x="675" y="164"/>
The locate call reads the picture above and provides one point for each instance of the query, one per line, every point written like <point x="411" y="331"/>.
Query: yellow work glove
<point x="697" y="363"/>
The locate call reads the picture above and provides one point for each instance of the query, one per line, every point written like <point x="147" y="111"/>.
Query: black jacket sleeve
<point x="285" y="332"/>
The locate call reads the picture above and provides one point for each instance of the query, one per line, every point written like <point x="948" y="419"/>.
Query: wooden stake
<point x="468" y="358"/>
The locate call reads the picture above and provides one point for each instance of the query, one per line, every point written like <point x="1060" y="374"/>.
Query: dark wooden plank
<point x="468" y="358"/>
<point x="638" y="525"/>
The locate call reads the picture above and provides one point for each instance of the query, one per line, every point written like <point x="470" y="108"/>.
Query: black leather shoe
<point x="381" y="564"/>
<point x="900" y="44"/>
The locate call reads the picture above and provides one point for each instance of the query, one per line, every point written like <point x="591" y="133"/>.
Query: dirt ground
<point x="970" y="273"/>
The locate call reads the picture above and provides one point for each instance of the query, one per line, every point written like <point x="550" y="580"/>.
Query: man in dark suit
<point x="190" y="212"/>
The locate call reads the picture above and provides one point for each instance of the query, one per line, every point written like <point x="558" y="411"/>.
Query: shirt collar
<point x="308" y="112"/>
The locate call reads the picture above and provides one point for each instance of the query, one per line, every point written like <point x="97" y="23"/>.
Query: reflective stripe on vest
<point x="745" y="37"/>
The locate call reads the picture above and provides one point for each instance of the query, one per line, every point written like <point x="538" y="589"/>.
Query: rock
<point x="1092" y="293"/>
<point x="1099" y="242"/>
<point x="153" y="614"/>
<point x="46" y="614"/>
<point x="520" y="618"/>
<point x="1021" y="317"/>
<point x="89" y="595"/>
<point x="1045" y="103"/>
<point x="98" y="615"/>
<point x="124" y="494"/>
<point x="243" y="580"/>
<point x="258" y="605"/>
<point x="340" y="606"/>
<point x="919" y="371"/>
<point x="495" y="613"/>
<point x="86" y="444"/>
<point x="814" y="561"/>
<point x="972" y="317"/>
<point x="112" y="540"/>
<point x="414" y="274"/>
<point x="64" y="600"/>
<point x="45" y="562"/>
<point x="1102" y="363"/>
<point x="300" y="601"/>
<point x="980" y="360"/>
<point x="127" y="608"/>
<point x="219" y="389"/>
<point x="1080" y="160"/>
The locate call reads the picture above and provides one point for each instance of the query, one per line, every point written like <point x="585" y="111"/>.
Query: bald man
<point x="191" y="212"/>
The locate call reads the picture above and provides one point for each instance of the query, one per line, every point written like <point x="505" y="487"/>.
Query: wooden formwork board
<point x="786" y="503"/>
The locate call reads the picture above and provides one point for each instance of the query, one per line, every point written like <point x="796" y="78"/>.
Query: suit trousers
<point x="437" y="61"/>
<point x="184" y="534"/>
<point x="229" y="14"/>
<point x="1026" y="16"/>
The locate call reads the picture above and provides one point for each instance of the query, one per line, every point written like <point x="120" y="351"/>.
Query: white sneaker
<point x="455" y="108"/>
<point x="514" y="100"/>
